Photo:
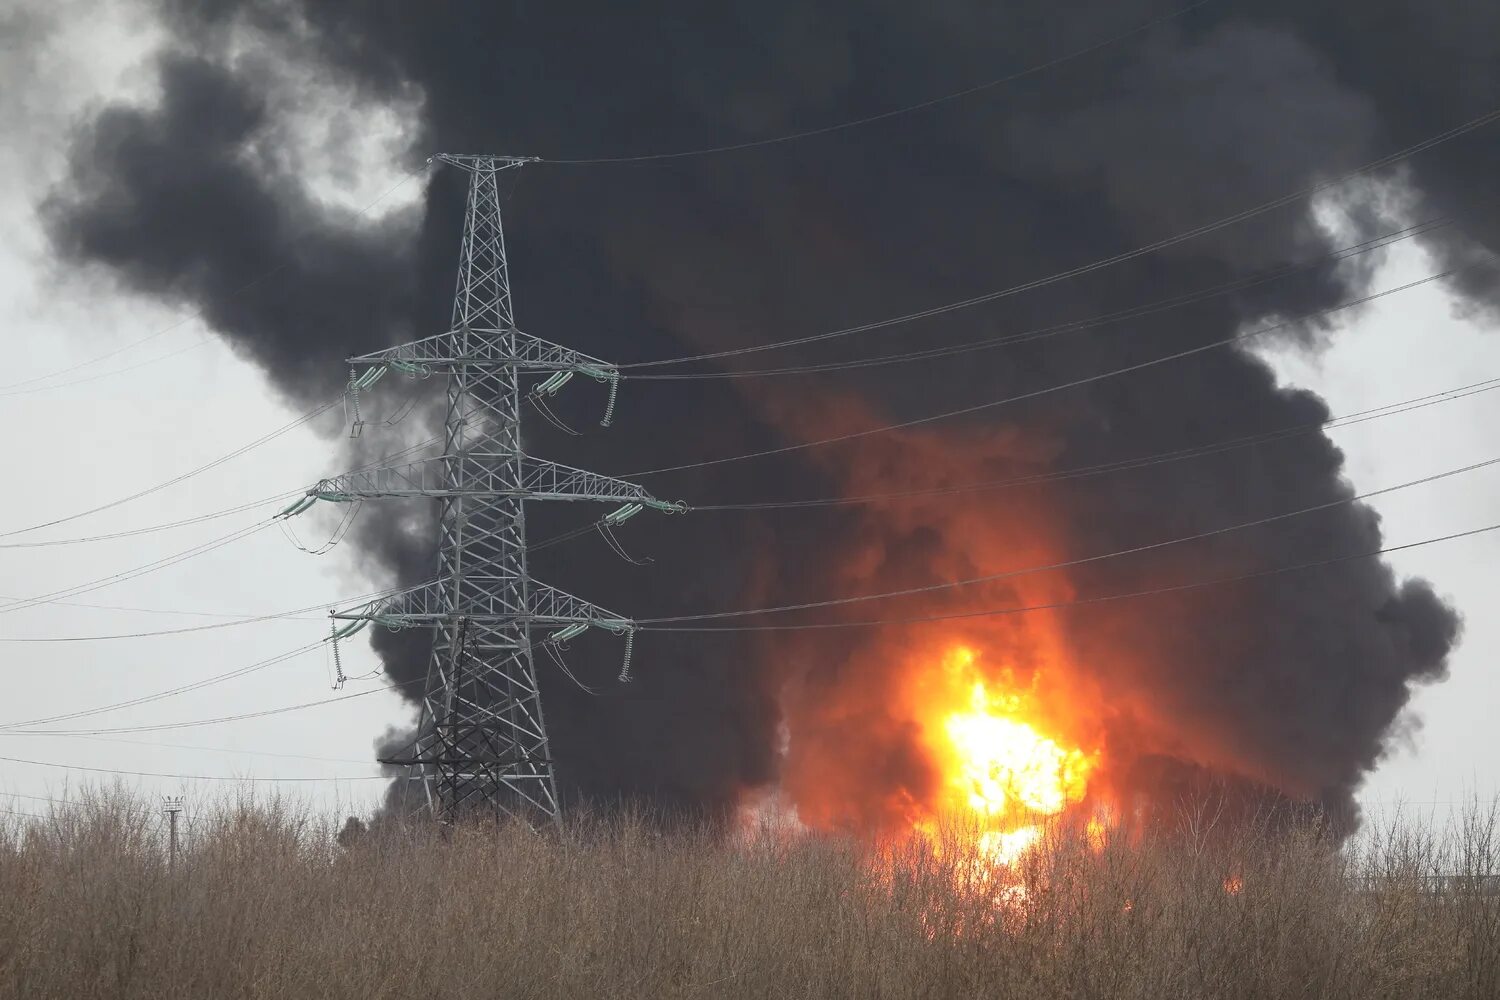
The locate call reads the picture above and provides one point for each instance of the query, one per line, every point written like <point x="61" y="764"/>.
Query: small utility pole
<point x="172" y="806"/>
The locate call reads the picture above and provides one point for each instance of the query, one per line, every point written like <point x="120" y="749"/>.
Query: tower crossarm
<point x="479" y="348"/>
<point x="484" y="602"/>
<point x="486" y="475"/>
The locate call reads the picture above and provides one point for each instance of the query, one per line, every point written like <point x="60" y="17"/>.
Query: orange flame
<point x="997" y="768"/>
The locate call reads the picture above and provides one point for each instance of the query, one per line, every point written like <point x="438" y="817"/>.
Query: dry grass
<point x="265" y="903"/>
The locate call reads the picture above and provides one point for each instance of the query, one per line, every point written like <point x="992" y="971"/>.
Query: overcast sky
<point x="96" y="432"/>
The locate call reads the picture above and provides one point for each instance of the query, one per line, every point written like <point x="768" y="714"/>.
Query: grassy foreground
<point x="264" y="902"/>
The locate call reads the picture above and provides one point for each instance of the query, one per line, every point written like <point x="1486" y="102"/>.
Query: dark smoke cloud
<point x="1294" y="682"/>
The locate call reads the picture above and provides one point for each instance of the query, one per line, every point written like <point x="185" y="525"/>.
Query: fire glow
<point x="997" y="770"/>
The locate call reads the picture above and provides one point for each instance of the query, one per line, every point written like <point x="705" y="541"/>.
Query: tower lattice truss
<point x="481" y="742"/>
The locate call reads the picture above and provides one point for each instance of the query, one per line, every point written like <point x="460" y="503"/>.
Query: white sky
<point x="74" y="446"/>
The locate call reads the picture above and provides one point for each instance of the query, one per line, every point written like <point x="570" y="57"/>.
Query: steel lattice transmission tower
<point x="481" y="743"/>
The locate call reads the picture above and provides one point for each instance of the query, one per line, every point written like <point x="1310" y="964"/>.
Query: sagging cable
<point x="617" y="548"/>
<point x="551" y="417"/>
<point x="563" y="666"/>
<point x="338" y="533"/>
<point x="401" y="413"/>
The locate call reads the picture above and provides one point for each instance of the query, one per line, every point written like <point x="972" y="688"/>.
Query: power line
<point x="21" y="812"/>
<point x="1122" y="465"/>
<point x="114" y="372"/>
<point x="1107" y="598"/>
<point x="186" y="777"/>
<point x="165" y="526"/>
<point x="248" y="620"/>
<point x="16" y="605"/>
<point x="1082" y="269"/>
<point x="1160" y="458"/>
<point x="1072" y="326"/>
<point x="565" y="536"/>
<point x="173" y="691"/>
<point x="137" y="571"/>
<point x="184" y="476"/>
<point x="1075" y="383"/>
<point x="183" y="688"/>
<point x="199" y="518"/>
<point x="908" y="109"/>
<point x="143" y="611"/>
<point x="1084" y="560"/>
<point x="39" y="798"/>
<point x="195" y="723"/>
<point x="154" y="744"/>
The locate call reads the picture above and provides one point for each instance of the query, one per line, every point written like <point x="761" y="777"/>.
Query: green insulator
<point x="563" y="635"/>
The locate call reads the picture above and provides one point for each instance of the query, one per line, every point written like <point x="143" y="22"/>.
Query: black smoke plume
<point x="1298" y="679"/>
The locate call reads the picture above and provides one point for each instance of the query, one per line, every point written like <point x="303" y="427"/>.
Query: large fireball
<point x="997" y="770"/>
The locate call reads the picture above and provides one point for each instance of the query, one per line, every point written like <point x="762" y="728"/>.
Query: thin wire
<point x="1102" y="263"/>
<point x="142" y="570"/>
<point x="856" y="122"/>
<point x="185" y="777"/>
<point x="143" y="611"/>
<point x="197" y="313"/>
<point x="40" y="798"/>
<point x="339" y="532"/>
<point x="131" y="574"/>
<point x="1073" y="326"/>
<point x="184" y="476"/>
<point x="167" y="525"/>
<point x="248" y="620"/>
<point x="553" y="650"/>
<point x="114" y="372"/>
<point x="154" y="744"/>
<point x="198" y="518"/>
<point x="146" y="611"/>
<point x="1056" y="605"/>
<point x="170" y="692"/>
<point x="563" y="537"/>
<point x="1084" y="560"/>
<point x="28" y="815"/>
<point x="195" y="723"/>
<point x="1088" y="380"/>
<point x="1122" y="465"/>
<point x="183" y="688"/>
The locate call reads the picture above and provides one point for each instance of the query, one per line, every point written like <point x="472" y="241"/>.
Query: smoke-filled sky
<point x="211" y="165"/>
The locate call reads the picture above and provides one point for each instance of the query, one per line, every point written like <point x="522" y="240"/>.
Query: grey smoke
<point x="1232" y="104"/>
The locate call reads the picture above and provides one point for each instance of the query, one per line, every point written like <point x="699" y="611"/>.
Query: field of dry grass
<point x="264" y="902"/>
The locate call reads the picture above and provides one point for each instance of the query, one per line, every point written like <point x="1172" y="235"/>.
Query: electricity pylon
<point x="481" y="741"/>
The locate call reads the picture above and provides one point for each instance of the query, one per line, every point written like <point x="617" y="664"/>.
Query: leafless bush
<point x="267" y="900"/>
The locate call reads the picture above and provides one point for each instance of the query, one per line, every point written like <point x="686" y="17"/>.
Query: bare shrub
<point x="267" y="900"/>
